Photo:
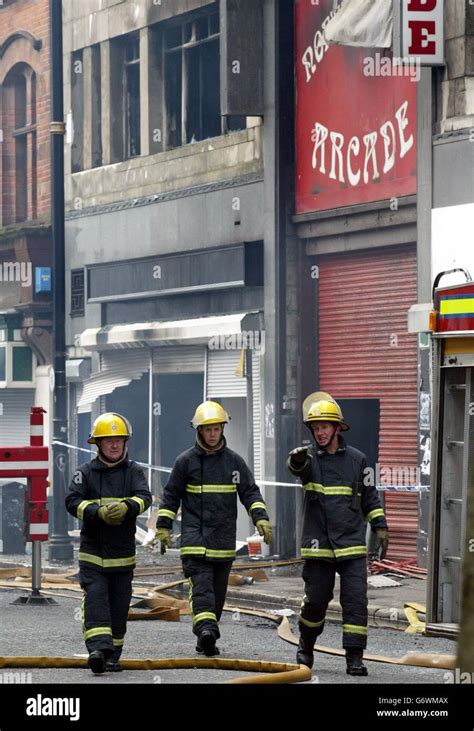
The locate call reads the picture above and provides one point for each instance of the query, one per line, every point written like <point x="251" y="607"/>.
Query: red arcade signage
<point x="355" y="119"/>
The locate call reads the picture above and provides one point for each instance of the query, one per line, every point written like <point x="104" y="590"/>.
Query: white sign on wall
<point x="452" y="246"/>
<point x="423" y="31"/>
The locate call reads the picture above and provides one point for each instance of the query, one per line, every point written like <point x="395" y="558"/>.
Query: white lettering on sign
<point x="423" y="30"/>
<point x="346" y="160"/>
<point x="315" y="53"/>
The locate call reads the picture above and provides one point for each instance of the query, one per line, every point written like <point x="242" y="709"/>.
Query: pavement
<point x="283" y="590"/>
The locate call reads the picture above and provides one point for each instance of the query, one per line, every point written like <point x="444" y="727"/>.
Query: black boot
<point x="354" y="663"/>
<point x="207" y="643"/>
<point x="201" y="651"/>
<point x="113" y="666"/>
<point x="97" y="662"/>
<point x="305" y="653"/>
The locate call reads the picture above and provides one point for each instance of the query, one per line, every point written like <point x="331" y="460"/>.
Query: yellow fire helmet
<point x="110" y="425"/>
<point x="209" y="412"/>
<point x="320" y="406"/>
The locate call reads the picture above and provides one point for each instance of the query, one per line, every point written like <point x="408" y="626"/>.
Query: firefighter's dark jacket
<point x="337" y="503"/>
<point x="108" y="547"/>
<point x="206" y="486"/>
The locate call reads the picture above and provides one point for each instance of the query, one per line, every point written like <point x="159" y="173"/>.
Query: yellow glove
<point x="117" y="512"/>
<point x="265" y="529"/>
<point x="164" y="536"/>
<point x="104" y="515"/>
<point x="382" y="541"/>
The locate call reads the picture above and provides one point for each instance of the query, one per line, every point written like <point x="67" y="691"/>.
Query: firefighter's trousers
<point x="104" y="609"/>
<point x="319" y="577"/>
<point x="207" y="591"/>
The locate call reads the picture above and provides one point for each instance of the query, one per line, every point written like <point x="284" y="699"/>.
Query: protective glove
<point x="104" y="515"/>
<point x="299" y="456"/>
<point x="265" y="529"/>
<point x="117" y="512"/>
<point x="382" y="542"/>
<point x="164" y="536"/>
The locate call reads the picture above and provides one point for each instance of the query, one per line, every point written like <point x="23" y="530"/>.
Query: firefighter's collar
<point x="340" y="449"/>
<point x="204" y="448"/>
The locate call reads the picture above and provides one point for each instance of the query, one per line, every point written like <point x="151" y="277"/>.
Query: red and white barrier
<point x="33" y="463"/>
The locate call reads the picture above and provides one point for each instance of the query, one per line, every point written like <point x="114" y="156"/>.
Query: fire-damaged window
<point x="125" y="97"/>
<point x="192" y="79"/>
<point x="132" y="98"/>
<point x="77" y="292"/>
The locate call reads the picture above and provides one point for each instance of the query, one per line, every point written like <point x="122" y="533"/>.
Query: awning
<point x="197" y="331"/>
<point x="120" y="371"/>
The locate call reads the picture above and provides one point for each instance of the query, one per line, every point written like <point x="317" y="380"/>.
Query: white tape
<point x="398" y="488"/>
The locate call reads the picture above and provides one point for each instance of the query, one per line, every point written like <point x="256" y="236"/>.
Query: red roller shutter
<point x="365" y="351"/>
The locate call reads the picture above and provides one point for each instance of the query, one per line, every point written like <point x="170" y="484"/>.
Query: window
<point x="96" y="112"/>
<point x="3" y="363"/>
<point x="19" y="160"/>
<point x="125" y="97"/>
<point x="77" y="292"/>
<point x="86" y="149"/>
<point x="192" y="80"/>
<point x="22" y="365"/>
<point x="17" y="365"/>
<point x="132" y="98"/>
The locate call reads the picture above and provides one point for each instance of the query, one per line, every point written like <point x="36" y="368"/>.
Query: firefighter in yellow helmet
<point x="206" y="481"/>
<point x="338" y="501"/>
<point x="107" y="494"/>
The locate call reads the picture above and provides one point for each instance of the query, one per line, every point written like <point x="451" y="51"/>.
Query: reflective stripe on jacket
<point x="334" y="520"/>
<point x="206" y="486"/>
<point x="108" y="547"/>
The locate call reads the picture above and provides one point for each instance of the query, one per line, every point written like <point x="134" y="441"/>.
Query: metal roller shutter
<point x="365" y="351"/>
<point x="222" y="382"/>
<point x="15" y="412"/>
<point x="257" y="416"/>
<point x="181" y="359"/>
<point x="221" y="378"/>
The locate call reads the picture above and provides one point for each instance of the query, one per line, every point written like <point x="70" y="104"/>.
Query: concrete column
<point x="271" y="408"/>
<point x="424" y="207"/>
<point x="106" y="101"/>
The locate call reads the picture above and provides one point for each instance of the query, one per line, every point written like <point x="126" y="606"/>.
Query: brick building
<point x="25" y="203"/>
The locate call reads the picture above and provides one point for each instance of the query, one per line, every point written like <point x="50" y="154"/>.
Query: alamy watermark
<point x="245" y="340"/>
<point x="459" y="678"/>
<point x="380" y="65"/>
<point x="13" y="678"/>
<point x="391" y="476"/>
<point x="17" y="271"/>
